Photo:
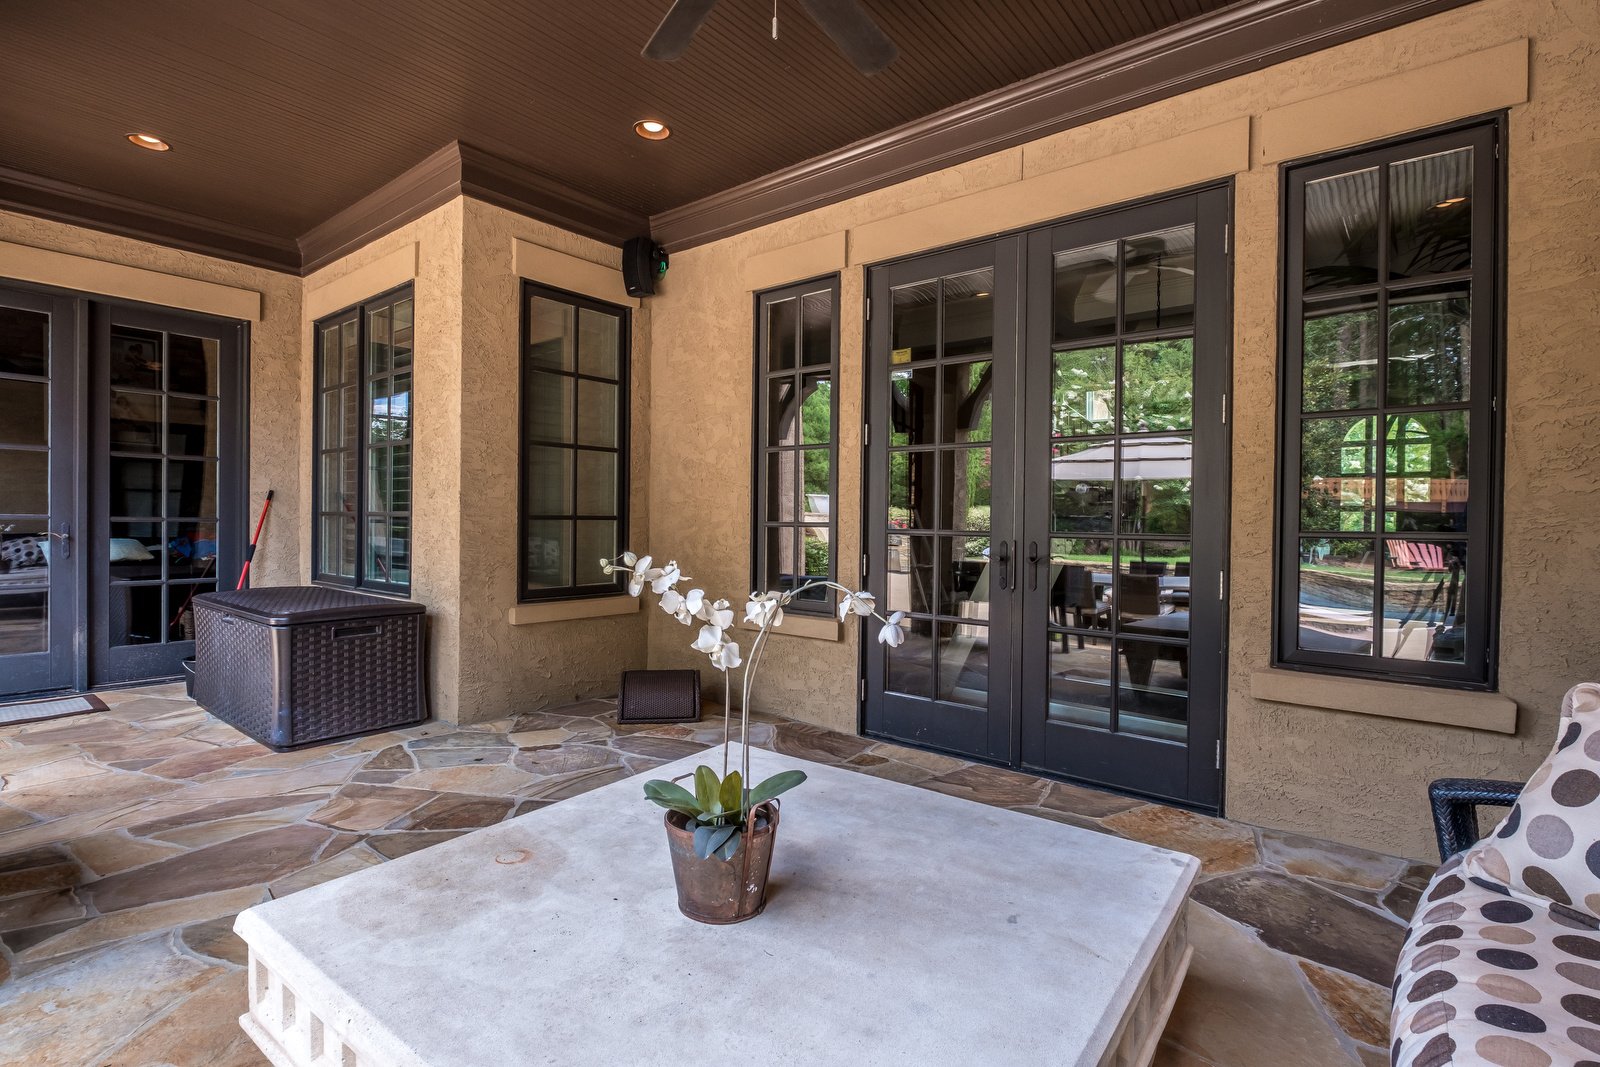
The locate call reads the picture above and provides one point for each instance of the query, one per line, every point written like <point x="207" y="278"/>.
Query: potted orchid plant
<point x="721" y="833"/>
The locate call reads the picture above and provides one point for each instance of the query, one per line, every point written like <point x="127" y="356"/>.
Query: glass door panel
<point x="1126" y="451"/>
<point x="944" y="359"/>
<point x="1047" y="498"/>
<point x="36" y="457"/>
<point x="169" y="402"/>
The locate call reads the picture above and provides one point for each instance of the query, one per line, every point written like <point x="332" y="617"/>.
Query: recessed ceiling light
<point x="1452" y="202"/>
<point x="150" y="141"/>
<point x="652" y="129"/>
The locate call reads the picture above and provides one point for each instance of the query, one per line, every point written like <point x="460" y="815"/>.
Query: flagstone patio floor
<point x="130" y="838"/>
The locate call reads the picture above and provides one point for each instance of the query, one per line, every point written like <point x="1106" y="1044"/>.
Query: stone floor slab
<point x="251" y="860"/>
<point x="74" y="1013"/>
<point x="1244" y="1005"/>
<point x="1301" y="919"/>
<point x="166" y="915"/>
<point x="1221" y="846"/>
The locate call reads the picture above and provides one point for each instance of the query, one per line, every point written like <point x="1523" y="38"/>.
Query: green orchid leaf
<point x="708" y="839"/>
<point x="732" y="792"/>
<point x="707" y="789"/>
<point x="671" y="796"/>
<point x="781" y="782"/>
<point x="730" y="848"/>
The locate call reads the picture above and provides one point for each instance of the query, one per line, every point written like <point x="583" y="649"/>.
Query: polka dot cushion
<point x="1501" y="965"/>
<point x="1548" y="845"/>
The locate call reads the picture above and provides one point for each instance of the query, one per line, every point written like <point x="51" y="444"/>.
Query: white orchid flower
<point x="672" y="602"/>
<point x="718" y="613"/>
<point x="629" y="559"/>
<point x="726" y="657"/>
<point x="861" y="602"/>
<point x="708" y="640"/>
<point x="643" y="574"/>
<point x="666" y="578"/>
<point x="607" y="567"/>
<point x="764" y="609"/>
<point x="694" y="602"/>
<point x="892" y="634"/>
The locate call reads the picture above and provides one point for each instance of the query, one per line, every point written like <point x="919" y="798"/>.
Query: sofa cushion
<point x="1488" y="976"/>
<point x="1548" y="845"/>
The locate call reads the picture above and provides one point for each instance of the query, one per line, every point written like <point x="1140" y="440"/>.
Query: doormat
<point x="48" y="708"/>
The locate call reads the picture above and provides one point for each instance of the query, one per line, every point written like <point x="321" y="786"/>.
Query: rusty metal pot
<point x="723" y="891"/>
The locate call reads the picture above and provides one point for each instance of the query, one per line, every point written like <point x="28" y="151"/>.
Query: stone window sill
<point x="567" y="610"/>
<point x="1391" y="700"/>
<point x="815" y="627"/>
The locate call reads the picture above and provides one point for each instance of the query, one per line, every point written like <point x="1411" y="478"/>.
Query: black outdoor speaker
<point x="643" y="263"/>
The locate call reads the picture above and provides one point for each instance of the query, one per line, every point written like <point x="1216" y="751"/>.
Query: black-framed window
<point x="574" y="495"/>
<point x="797" y="439"/>
<point x="1389" y="500"/>
<point x="361" y="481"/>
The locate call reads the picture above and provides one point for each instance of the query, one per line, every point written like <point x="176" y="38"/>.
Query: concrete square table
<point x="902" y="926"/>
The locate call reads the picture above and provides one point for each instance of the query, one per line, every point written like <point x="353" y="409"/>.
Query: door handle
<point x="1033" y="564"/>
<point x="1003" y="557"/>
<point x="63" y="533"/>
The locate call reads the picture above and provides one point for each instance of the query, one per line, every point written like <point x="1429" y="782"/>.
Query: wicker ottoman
<point x="293" y="666"/>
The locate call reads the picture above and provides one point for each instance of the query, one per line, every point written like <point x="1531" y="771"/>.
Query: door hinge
<point x="866" y="435"/>
<point x="1224" y="409"/>
<point x="869" y="309"/>
<point x="863" y="690"/>
<point x="1222" y="586"/>
<point x="1227" y="236"/>
<point x="863" y="566"/>
<point x="1219" y="753"/>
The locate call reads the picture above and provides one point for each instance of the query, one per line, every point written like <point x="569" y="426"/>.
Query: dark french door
<point x="1047" y="498"/>
<point x="121" y="483"/>
<point x="39" y="581"/>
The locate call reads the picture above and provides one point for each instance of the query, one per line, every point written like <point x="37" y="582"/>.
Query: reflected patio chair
<point x="1072" y="595"/>
<point x="1138" y="597"/>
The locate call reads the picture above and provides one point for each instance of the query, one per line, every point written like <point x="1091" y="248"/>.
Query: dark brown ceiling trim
<point x="431" y="183"/>
<point x="452" y="171"/>
<point x="1213" y="48"/>
<point x="507" y="185"/>
<point x="77" y="205"/>
<point x="455" y="170"/>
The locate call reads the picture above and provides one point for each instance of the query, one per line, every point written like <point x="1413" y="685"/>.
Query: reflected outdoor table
<point x="1142" y="655"/>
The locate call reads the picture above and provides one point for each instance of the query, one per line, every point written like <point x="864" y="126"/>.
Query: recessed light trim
<point x="1452" y="202"/>
<point x="652" y="129"/>
<point x="149" y="141"/>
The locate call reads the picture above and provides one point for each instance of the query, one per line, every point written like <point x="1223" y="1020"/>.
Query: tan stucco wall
<point x="507" y="668"/>
<point x="166" y="276"/>
<point x="435" y="257"/>
<point x="464" y="491"/>
<point x="1357" y="778"/>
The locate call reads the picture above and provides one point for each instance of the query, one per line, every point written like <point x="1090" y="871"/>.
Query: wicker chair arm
<point x="1455" y="803"/>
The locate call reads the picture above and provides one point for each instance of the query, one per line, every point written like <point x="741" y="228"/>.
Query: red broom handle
<point x="250" y="553"/>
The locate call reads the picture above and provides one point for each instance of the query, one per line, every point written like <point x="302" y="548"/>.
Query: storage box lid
<point x="288" y="604"/>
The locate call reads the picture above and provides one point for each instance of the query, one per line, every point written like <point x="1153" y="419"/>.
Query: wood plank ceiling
<point x="283" y="112"/>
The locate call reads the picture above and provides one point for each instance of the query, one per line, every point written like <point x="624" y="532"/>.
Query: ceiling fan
<point x="845" y="21"/>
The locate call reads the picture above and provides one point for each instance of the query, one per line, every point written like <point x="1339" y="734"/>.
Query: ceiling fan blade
<point x="672" y="37"/>
<point x="853" y="30"/>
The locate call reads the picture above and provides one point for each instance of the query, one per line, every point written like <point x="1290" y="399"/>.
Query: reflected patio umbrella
<point x="1143" y="458"/>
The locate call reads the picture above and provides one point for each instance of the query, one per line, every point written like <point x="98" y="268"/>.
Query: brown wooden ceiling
<point x="282" y="112"/>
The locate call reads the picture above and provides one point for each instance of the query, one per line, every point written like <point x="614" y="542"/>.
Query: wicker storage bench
<point x="292" y="666"/>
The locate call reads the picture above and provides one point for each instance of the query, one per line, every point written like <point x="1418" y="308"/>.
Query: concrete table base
<point x="903" y="926"/>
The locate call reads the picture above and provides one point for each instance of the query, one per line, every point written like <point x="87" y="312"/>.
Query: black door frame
<point x="963" y="728"/>
<point x="81" y="408"/>
<point x="1187" y="773"/>
<point x="1203" y="767"/>
<point x="55" y="668"/>
<point x="131" y="664"/>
